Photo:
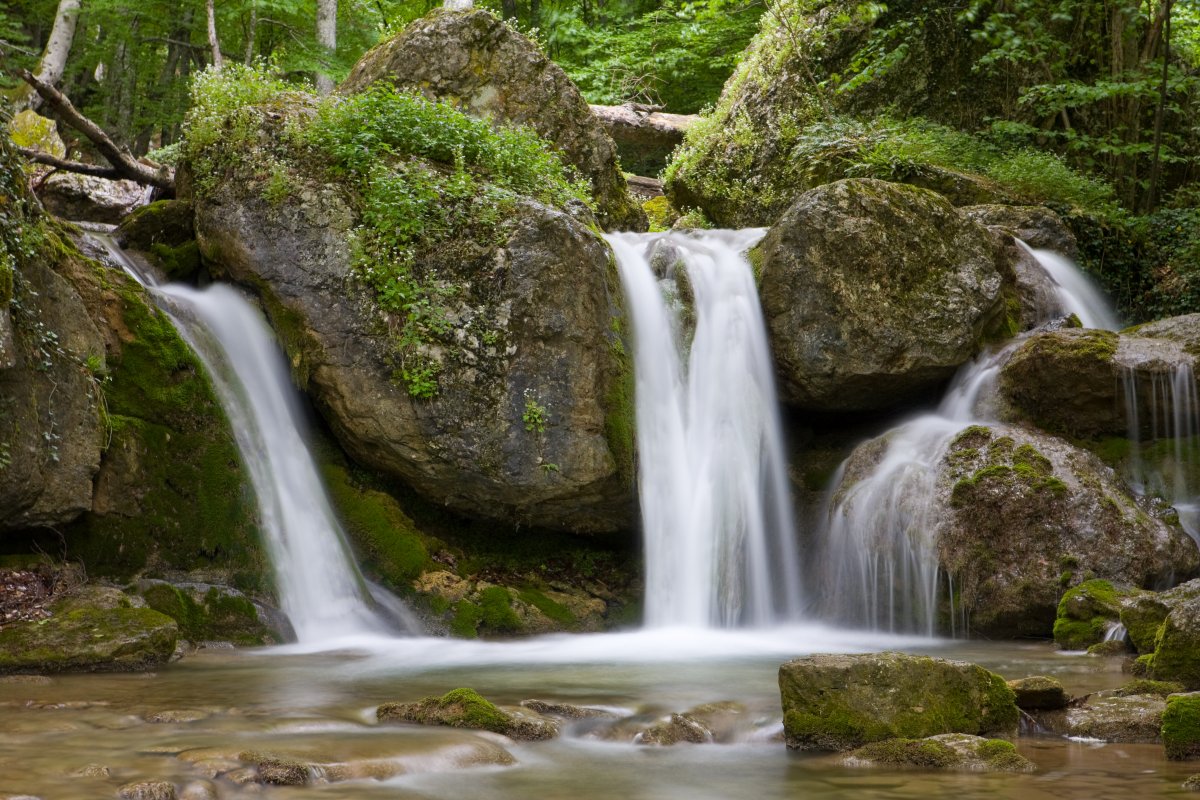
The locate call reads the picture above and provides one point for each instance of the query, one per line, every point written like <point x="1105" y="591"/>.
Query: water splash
<point x="320" y="587"/>
<point x="877" y="560"/>
<point x="716" y="510"/>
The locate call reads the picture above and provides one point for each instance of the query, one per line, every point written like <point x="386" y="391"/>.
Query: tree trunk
<point x="1160" y="109"/>
<point x="327" y="39"/>
<point x="54" y="57"/>
<point x="250" y="32"/>
<point x="213" y="43"/>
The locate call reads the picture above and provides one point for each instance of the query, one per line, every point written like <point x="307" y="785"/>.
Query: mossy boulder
<point x="1079" y="382"/>
<point x="1177" y="648"/>
<point x="207" y="613"/>
<point x="1181" y="727"/>
<point x="524" y="412"/>
<point x="465" y="708"/>
<point x="875" y="293"/>
<point x="946" y="751"/>
<point x="1014" y="517"/>
<point x="841" y="702"/>
<point x="1039" y="693"/>
<point x="1142" y="617"/>
<point x="485" y="67"/>
<point x="83" y="635"/>
<point x="163" y="231"/>
<point x="1110" y="717"/>
<point x="1087" y="613"/>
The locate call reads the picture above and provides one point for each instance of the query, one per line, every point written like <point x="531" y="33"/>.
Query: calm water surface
<point x="185" y="722"/>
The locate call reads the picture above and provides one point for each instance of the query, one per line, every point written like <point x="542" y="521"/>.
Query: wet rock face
<point x="841" y="702"/>
<point x="874" y="293"/>
<point x="530" y="419"/>
<point x="1077" y="381"/>
<point x="473" y="60"/>
<point x="1023" y="508"/>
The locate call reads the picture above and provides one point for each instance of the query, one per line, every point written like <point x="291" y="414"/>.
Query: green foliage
<point x="926" y="753"/>
<point x="534" y="416"/>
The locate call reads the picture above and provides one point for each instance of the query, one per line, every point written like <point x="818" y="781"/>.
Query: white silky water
<point x="320" y="588"/>
<point x="876" y="555"/>
<point x="716" y="511"/>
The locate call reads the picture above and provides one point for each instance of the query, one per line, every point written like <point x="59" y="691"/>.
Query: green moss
<point x="1146" y="686"/>
<point x="924" y="753"/>
<point x="88" y="639"/>
<point x="555" y="611"/>
<point x="1085" y="613"/>
<point x="465" y="623"/>
<point x="660" y="212"/>
<point x="389" y="541"/>
<point x="620" y="413"/>
<point x="1181" y="727"/>
<point x="1142" y="619"/>
<point x="470" y="710"/>
<point x="220" y="616"/>
<point x="180" y="262"/>
<point x="496" y="614"/>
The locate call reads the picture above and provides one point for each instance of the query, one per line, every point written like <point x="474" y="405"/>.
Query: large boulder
<point x="530" y="417"/>
<point x="1009" y="515"/>
<point x="475" y="61"/>
<point x="89" y="199"/>
<point x="1080" y="382"/>
<point x="875" y="292"/>
<point x="841" y="702"/>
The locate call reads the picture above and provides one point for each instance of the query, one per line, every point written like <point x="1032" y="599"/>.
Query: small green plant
<point x="549" y="468"/>
<point x="535" y="415"/>
<point x="420" y="378"/>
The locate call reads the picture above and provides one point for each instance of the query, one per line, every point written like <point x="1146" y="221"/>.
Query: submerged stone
<point x="147" y="790"/>
<point x="946" y="751"/>
<point x="841" y="702"/>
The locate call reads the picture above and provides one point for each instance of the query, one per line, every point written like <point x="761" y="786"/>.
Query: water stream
<point x="716" y="511"/>
<point x="320" y="588"/>
<point x="877" y="552"/>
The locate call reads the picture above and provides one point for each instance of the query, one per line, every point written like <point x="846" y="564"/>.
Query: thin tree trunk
<point x="327" y="39"/>
<point x="54" y="57"/>
<point x="213" y="43"/>
<point x="1160" y="110"/>
<point x="249" y="59"/>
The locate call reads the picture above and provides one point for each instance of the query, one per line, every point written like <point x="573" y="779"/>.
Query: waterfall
<point x="877" y="559"/>
<point x="716" y="511"/>
<point x="320" y="588"/>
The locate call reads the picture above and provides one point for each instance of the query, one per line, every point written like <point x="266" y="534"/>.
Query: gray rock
<point x="147" y="790"/>
<point x="531" y="325"/>
<point x="841" y="702"/>
<point x="1039" y="693"/>
<point x="87" y="199"/>
<point x="1037" y="226"/>
<point x="474" y="60"/>
<point x="874" y="293"/>
<point x="1133" y="718"/>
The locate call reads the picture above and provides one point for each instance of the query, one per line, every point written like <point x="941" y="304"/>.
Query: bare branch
<point x="95" y="170"/>
<point x="120" y="157"/>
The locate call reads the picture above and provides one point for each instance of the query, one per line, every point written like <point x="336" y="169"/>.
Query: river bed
<point x="58" y="736"/>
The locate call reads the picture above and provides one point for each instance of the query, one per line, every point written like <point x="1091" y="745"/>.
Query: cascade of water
<point x="716" y="510"/>
<point x="320" y="588"/>
<point x="877" y="561"/>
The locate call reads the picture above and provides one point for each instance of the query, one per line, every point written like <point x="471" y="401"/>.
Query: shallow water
<point x="319" y="706"/>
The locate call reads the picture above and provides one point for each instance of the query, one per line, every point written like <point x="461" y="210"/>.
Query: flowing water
<point x="716" y="512"/>
<point x="320" y="588"/>
<point x="877" y="558"/>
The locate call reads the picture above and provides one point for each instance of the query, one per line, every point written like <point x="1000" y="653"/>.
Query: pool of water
<point x="83" y="736"/>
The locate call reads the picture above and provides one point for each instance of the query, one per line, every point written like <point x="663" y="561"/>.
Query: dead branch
<point x="94" y="170"/>
<point x="122" y="160"/>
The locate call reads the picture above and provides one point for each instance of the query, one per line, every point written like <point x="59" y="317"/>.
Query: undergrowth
<point x="419" y="172"/>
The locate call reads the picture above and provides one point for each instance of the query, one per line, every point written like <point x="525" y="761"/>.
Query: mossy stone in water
<point x="1039" y="693"/>
<point x="1086" y="612"/>
<point x="88" y="640"/>
<point x="944" y="751"/>
<point x="1143" y="617"/>
<point x="209" y="613"/>
<point x="1177" y="654"/>
<point x="1181" y="727"/>
<point x="841" y="702"/>
<point x="466" y="708"/>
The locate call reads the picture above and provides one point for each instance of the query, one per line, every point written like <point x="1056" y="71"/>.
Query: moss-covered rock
<point x="477" y="62"/>
<point x="509" y="404"/>
<point x="211" y="613"/>
<point x="841" y="702"/>
<point x="1039" y="693"/>
<point x="948" y="751"/>
<point x="874" y="293"/>
<point x="1142" y="617"/>
<point x="1088" y="611"/>
<point x="1181" y="727"/>
<point x="164" y="233"/>
<point x="83" y="636"/>
<point x="1079" y="382"/>
<point x="1177" y="648"/>
<point x="1110" y="717"/>
<point x="465" y="708"/>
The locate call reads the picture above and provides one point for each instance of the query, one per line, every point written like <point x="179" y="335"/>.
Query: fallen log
<point x="644" y="137"/>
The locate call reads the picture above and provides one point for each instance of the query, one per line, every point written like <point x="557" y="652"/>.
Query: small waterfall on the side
<point x="716" y="510"/>
<point x="320" y="587"/>
<point x="878" y="564"/>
